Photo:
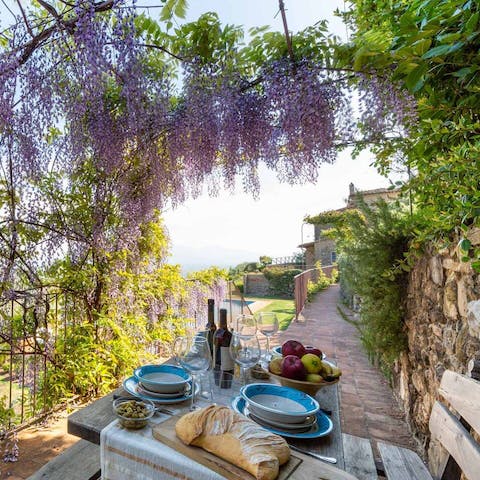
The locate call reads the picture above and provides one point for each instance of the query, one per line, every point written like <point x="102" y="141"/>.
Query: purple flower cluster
<point x="384" y="106"/>
<point x="10" y="449"/>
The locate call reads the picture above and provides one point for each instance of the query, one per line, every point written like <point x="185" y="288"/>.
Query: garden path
<point x="369" y="409"/>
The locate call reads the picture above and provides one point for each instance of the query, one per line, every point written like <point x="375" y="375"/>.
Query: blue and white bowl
<point x="279" y="404"/>
<point x="163" y="378"/>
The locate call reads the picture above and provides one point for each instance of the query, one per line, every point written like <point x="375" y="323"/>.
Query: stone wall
<point x="443" y="328"/>
<point x="255" y="284"/>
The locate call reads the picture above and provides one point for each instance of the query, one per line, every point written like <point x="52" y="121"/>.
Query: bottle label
<point x="227" y="362"/>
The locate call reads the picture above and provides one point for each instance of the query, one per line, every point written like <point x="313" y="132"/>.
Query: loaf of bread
<point x="234" y="438"/>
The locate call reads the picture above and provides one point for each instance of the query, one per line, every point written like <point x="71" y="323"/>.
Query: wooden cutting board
<point x="165" y="433"/>
<point x="299" y="467"/>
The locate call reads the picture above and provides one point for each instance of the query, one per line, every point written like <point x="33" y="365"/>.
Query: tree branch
<point x="27" y="25"/>
<point x="36" y="42"/>
<point x="287" y="33"/>
<point x="163" y="49"/>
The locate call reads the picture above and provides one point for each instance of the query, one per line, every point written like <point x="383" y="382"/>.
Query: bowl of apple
<point x="303" y="368"/>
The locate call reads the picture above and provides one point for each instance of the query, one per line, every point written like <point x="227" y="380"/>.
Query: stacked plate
<point x="282" y="410"/>
<point x="160" y="384"/>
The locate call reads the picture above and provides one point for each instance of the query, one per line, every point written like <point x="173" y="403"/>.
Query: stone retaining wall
<point x="255" y="284"/>
<point x="443" y="328"/>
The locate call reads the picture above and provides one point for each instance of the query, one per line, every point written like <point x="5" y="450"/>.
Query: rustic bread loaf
<point x="234" y="438"/>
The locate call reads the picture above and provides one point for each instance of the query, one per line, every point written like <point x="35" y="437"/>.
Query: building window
<point x="333" y="257"/>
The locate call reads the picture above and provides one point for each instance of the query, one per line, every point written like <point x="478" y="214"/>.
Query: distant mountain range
<point x="199" y="258"/>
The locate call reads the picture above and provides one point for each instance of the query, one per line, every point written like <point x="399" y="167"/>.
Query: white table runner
<point x="137" y="455"/>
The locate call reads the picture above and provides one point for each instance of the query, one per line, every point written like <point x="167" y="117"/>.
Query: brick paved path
<point x="368" y="408"/>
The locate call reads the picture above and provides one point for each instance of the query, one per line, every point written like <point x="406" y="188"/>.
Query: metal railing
<point x="235" y="302"/>
<point x="301" y="289"/>
<point x="37" y="333"/>
<point x="289" y="262"/>
<point x="32" y="325"/>
<point x="301" y="286"/>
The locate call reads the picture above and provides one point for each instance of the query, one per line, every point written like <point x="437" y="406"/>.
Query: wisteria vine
<point x="82" y="91"/>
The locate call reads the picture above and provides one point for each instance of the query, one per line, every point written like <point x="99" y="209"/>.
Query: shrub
<point x="281" y="280"/>
<point x="323" y="281"/>
<point x="374" y="264"/>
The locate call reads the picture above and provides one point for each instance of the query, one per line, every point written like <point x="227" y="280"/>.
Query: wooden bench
<point x="453" y="450"/>
<point x="79" y="462"/>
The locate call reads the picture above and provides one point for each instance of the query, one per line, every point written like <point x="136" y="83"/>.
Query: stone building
<point x="323" y="248"/>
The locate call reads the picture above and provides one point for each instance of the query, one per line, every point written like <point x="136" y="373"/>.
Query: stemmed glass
<point x="267" y="323"/>
<point x="245" y="350"/>
<point x="193" y="354"/>
<point x="246" y="325"/>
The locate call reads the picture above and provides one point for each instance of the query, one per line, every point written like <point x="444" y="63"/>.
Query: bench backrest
<point x="453" y="433"/>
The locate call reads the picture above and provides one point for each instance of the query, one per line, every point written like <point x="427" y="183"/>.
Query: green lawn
<point x="284" y="308"/>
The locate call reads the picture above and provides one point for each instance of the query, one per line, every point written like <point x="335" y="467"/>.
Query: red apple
<point x="292" y="347"/>
<point x="292" y="367"/>
<point x="316" y="351"/>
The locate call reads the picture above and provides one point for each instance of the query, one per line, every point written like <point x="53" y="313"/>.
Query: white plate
<point x="266" y="425"/>
<point x="145" y="391"/>
<point x="131" y="386"/>
<point x="284" y="426"/>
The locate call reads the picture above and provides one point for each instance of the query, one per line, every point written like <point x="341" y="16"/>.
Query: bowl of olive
<point x="133" y="414"/>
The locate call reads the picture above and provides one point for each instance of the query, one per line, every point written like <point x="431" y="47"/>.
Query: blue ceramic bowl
<point x="163" y="378"/>
<point x="279" y="404"/>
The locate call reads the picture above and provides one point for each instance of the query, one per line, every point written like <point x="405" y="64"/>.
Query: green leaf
<point x="421" y="46"/>
<point x="476" y="266"/>
<point x="415" y="80"/>
<point x="463" y="72"/>
<point x="465" y="244"/>
<point x="174" y="8"/>
<point x="438" y="51"/>
<point x="471" y="23"/>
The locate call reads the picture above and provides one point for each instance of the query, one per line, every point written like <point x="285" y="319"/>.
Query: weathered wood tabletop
<point x="88" y="422"/>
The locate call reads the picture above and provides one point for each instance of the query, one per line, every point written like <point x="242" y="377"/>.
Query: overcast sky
<point x="232" y="228"/>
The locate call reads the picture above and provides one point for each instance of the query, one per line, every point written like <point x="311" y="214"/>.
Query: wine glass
<point x="267" y="323"/>
<point x="245" y="350"/>
<point x="193" y="353"/>
<point x="246" y="325"/>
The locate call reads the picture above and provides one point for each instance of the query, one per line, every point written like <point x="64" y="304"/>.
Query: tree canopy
<point x="431" y="47"/>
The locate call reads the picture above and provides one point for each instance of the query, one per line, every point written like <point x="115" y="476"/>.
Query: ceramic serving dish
<point x="131" y="385"/>
<point x="276" y="403"/>
<point x="163" y="378"/>
<point x="283" y="426"/>
<point x="323" y="426"/>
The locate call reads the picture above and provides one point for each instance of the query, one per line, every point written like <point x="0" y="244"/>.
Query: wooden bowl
<point x="308" y="387"/>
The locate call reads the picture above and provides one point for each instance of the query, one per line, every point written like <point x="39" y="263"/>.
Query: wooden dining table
<point x="88" y="422"/>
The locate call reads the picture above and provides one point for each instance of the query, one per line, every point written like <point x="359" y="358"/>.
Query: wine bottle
<point x="211" y="327"/>
<point x="223" y="360"/>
